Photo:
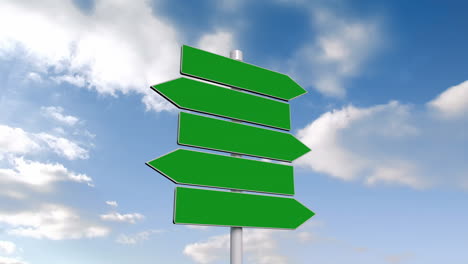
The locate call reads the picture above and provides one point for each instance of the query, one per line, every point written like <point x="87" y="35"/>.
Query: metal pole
<point x="236" y="232"/>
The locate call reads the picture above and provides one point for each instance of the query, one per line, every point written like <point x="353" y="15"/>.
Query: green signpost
<point x="215" y="207"/>
<point x="206" y="207"/>
<point x="212" y="170"/>
<point x="211" y="99"/>
<point x="241" y="75"/>
<point x="216" y="134"/>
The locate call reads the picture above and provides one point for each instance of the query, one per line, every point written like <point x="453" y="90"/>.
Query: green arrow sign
<point x="210" y="133"/>
<point x="211" y="99"/>
<point x="209" y="66"/>
<point x="206" y="207"/>
<point x="204" y="169"/>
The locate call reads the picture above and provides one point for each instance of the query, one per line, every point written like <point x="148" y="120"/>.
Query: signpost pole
<point x="233" y="208"/>
<point x="236" y="232"/>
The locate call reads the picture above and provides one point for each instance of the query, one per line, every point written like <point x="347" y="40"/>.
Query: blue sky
<point x="386" y="117"/>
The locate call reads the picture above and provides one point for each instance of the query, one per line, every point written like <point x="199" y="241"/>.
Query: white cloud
<point x="209" y="251"/>
<point x="323" y="136"/>
<point x="127" y="218"/>
<point x="34" y="76"/>
<point x="453" y="102"/>
<point x="331" y="152"/>
<point x="112" y="203"/>
<point x="259" y="245"/>
<point x="81" y="178"/>
<point x="50" y="221"/>
<point x="98" y="50"/>
<point x="7" y="247"/>
<point x="5" y="260"/>
<point x="136" y="238"/>
<point x="156" y="103"/>
<point x="56" y="112"/>
<point x="339" y="51"/>
<point x="403" y="173"/>
<point x="220" y="42"/>
<point x="40" y="175"/>
<point x="64" y="147"/>
<point x="76" y="80"/>
<point x="263" y="247"/>
<point x="17" y="141"/>
<point x="391" y="144"/>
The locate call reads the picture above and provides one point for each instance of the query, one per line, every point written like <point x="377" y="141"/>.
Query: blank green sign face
<point x="204" y="169"/>
<point x="210" y="133"/>
<point x="211" y="99"/>
<point x="209" y="66"/>
<point x="206" y="207"/>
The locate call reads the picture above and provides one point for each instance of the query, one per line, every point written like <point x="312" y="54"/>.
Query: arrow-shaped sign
<point x="207" y="207"/>
<point x="204" y="169"/>
<point x="216" y="134"/>
<point x="212" y="67"/>
<point x="211" y="99"/>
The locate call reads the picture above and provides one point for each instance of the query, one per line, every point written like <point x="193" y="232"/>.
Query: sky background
<point x="386" y="117"/>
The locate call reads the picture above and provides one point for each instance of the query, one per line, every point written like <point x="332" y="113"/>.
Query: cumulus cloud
<point x="392" y="144"/>
<point x="338" y="52"/>
<point x="259" y="244"/>
<point x="76" y="80"/>
<point x="136" y="238"/>
<point x="402" y="173"/>
<point x="323" y="136"/>
<point x="332" y="154"/>
<point x="50" y="221"/>
<point x="263" y="247"/>
<point x="15" y="141"/>
<point x="56" y="112"/>
<point x="34" y="76"/>
<point x="99" y="50"/>
<point x="18" y="171"/>
<point x="7" y="247"/>
<point x="453" y="102"/>
<point x="64" y="147"/>
<point x="40" y="175"/>
<point x="125" y="218"/>
<point x="205" y="252"/>
<point x="220" y="42"/>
